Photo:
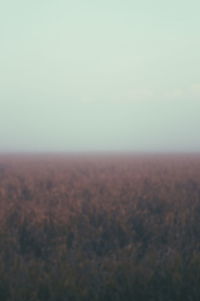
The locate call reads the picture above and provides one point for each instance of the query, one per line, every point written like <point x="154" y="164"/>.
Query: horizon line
<point x="99" y="152"/>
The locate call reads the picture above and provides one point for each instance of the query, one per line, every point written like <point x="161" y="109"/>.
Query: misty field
<point x="99" y="228"/>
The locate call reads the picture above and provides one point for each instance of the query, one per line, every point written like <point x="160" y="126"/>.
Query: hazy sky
<point x="99" y="75"/>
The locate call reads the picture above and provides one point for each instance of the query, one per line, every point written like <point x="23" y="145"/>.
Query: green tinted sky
<point x="99" y="75"/>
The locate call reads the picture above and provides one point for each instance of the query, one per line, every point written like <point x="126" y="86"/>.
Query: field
<point x="100" y="228"/>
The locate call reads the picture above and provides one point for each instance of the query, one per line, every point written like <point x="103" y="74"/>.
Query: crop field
<point x="100" y="227"/>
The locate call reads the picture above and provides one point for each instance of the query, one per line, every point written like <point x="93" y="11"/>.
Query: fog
<point x="99" y="76"/>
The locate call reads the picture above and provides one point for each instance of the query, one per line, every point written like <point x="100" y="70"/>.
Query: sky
<point x="109" y="75"/>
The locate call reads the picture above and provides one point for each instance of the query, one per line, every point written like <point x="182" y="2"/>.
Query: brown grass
<point x="100" y="228"/>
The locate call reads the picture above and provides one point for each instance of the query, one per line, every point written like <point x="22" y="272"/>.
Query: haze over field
<point x="99" y="75"/>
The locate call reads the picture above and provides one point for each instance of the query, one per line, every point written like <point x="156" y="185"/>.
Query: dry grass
<point x="100" y="228"/>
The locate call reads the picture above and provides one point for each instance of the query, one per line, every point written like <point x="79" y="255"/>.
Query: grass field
<point x="104" y="227"/>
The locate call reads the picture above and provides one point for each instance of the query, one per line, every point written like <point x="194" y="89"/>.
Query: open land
<point x="100" y="227"/>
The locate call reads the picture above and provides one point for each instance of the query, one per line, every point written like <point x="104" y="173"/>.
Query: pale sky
<point x="92" y="75"/>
